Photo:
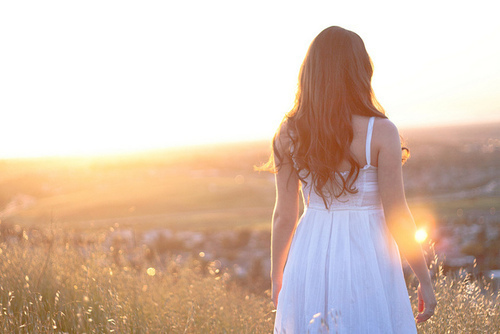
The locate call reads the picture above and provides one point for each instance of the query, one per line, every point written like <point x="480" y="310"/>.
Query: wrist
<point x="425" y="281"/>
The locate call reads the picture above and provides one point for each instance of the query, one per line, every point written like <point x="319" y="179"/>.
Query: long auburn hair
<point x="334" y="84"/>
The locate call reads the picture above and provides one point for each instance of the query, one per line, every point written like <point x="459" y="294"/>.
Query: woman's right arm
<point x="399" y="219"/>
<point x="285" y="215"/>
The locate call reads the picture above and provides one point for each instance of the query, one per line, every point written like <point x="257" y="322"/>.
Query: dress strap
<point x="369" y="140"/>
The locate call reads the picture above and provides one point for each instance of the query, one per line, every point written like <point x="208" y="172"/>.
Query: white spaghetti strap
<point x="369" y="140"/>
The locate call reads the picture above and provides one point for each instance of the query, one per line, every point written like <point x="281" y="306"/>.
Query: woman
<point x="343" y="271"/>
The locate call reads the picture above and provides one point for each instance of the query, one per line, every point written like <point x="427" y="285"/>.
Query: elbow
<point x="399" y="219"/>
<point x="285" y="221"/>
<point x="403" y="231"/>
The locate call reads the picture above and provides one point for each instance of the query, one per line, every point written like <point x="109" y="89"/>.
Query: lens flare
<point x="420" y="235"/>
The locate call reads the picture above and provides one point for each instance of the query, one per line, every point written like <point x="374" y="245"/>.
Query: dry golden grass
<point x="66" y="288"/>
<point x="60" y="285"/>
<point x="465" y="305"/>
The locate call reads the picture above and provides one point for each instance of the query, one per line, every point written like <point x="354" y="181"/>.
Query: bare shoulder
<point x="385" y="134"/>
<point x="385" y="126"/>
<point x="386" y="143"/>
<point x="283" y="139"/>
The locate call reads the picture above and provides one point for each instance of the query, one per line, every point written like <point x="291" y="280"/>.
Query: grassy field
<point x="63" y="289"/>
<point x="59" y="287"/>
<point x="209" y="187"/>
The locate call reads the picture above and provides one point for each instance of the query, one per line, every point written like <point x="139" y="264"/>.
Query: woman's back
<point x="358" y="144"/>
<point x="366" y="195"/>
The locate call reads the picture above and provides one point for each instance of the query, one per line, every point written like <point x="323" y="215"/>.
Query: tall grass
<point x="466" y="304"/>
<point x="63" y="285"/>
<point x="84" y="290"/>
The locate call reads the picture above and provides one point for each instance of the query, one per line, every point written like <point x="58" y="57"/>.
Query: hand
<point x="426" y="303"/>
<point x="275" y="288"/>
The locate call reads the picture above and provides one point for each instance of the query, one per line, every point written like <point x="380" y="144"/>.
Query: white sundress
<point x="343" y="273"/>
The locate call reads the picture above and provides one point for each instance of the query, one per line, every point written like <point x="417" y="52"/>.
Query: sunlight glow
<point x="420" y="235"/>
<point x="170" y="74"/>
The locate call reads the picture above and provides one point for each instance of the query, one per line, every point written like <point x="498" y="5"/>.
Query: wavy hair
<point x="334" y="84"/>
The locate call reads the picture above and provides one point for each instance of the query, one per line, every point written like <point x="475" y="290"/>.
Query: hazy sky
<point x="100" y="76"/>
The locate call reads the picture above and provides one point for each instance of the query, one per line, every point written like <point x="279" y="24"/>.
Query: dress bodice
<point x="367" y="196"/>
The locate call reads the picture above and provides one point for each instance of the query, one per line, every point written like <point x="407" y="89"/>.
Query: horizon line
<point x="114" y="153"/>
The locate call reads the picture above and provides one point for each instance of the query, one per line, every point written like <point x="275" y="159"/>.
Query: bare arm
<point x="399" y="219"/>
<point x="285" y="217"/>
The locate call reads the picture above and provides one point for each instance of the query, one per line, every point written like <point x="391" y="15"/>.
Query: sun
<point x="421" y="235"/>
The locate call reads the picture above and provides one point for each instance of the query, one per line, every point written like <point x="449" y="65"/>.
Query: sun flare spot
<point x="151" y="271"/>
<point x="420" y="235"/>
